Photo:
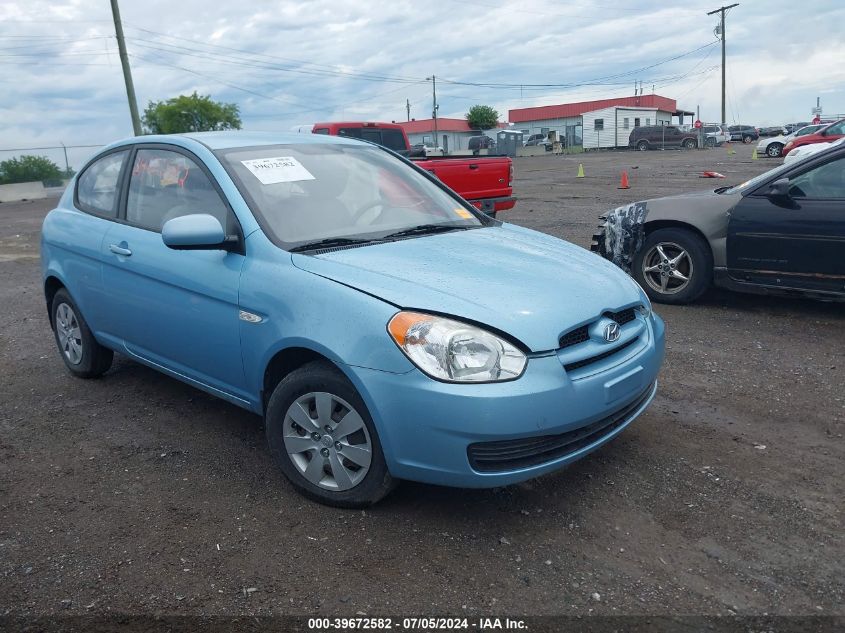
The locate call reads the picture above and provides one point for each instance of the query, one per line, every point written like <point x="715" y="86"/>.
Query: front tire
<point x="80" y="351"/>
<point x="642" y="146"/>
<point x="689" y="144"/>
<point x="324" y="440"/>
<point x="774" y="149"/>
<point x="674" y="266"/>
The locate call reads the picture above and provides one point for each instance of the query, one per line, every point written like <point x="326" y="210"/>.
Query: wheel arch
<point x="283" y="362"/>
<point x="52" y="284"/>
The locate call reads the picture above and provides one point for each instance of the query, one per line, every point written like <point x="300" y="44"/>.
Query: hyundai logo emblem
<point x="612" y="332"/>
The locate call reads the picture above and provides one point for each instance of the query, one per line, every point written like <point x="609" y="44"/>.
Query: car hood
<point x="531" y="286"/>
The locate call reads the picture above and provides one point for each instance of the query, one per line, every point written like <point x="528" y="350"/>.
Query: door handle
<point x="119" y="250"/>
<point x="473" y="166"/>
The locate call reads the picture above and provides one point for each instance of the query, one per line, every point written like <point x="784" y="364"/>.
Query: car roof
<point x="238" y="138"/>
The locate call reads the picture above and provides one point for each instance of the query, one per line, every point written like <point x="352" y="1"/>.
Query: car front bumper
<point x="496" y="434"/>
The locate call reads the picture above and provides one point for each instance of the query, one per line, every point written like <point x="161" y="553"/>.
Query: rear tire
<point x="674" y="266"/>
<point x="774" y="149"/>
<point x="642" y="146"/>
<point x="308" y="418"/>
<point x="82" y="354"/>
<point x="747" y="139"/>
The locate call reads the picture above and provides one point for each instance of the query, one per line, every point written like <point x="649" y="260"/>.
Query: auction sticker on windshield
<point x="278" y="169"/>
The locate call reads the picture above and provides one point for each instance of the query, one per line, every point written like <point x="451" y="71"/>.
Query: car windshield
<point x="336" y="193"/>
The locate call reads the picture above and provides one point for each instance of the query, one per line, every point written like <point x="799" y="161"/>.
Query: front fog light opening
<point x="453" y="351"/>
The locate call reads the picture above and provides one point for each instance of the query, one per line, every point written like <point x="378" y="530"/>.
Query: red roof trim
<point x="540" y="113"/>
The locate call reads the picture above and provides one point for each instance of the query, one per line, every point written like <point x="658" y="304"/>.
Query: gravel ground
<point x="138" y="494"/>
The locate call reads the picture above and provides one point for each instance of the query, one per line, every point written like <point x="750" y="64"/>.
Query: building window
<point x="648" y="121"/>
<point x="598" y="124"/>
<point x="636" y="121"/>
<point x="625" y="123"/>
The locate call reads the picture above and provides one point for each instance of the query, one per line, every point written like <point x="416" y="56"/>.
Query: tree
<point x="482" y="117"/>
<point x="190" y="113"/>
<point x="28" y="168"/>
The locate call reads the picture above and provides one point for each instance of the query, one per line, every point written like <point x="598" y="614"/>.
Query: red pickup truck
<point x="484" y="181"/>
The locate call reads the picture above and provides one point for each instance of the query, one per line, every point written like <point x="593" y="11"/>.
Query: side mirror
<point x="199" y="231"/>
<point x="779" y="189"/>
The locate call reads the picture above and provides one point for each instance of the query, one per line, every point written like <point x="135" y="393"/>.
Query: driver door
<point x="795" y="241"/>
<point x="174" y="309"/>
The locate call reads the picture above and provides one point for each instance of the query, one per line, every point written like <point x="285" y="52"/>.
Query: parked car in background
<point x="774" y="146"/>
<point x="382" y="327"/>
<point x="539" y="140"/>
<point x="800" y="153"/>
<point x="789" y="128"/>
<point x="828" y="133"/>
<point x="660" y="136"/>
<point x="780" y="232"/>
<point x="775" y="130"/>
<point x="477" y="143"/>
<point x="485" y="181"/>
<point x="744" y="133"/>
<point x="714" y="135"/>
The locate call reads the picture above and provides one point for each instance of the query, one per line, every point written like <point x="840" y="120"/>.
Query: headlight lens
<point x="453" y="351"/>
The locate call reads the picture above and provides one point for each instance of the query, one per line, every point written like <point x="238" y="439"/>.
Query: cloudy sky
<point x="288" y="63"/>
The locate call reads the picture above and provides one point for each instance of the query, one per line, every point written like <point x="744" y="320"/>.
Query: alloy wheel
<point x="69" y="333"/>
<point x="667" y="268"/>
<point x="327" y="441"/>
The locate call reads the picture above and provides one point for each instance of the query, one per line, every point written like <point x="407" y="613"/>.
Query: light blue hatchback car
<point x="383" y="327"/>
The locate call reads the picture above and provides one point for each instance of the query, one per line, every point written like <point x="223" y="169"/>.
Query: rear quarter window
<point x="98" y="185"/>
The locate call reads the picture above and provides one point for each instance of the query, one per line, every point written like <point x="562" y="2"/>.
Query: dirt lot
<point x="136" y="493"/>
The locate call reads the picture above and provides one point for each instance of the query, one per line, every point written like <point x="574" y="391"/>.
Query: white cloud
<point x="59" y="82"/>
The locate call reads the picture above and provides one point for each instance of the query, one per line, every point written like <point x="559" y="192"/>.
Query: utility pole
<point x="408" y="108"/>
<point x="434" y="106"/>
<point x="722" y="33"/>
<point x="127" y="73"/>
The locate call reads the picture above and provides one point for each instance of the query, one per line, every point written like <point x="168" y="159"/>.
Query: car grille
<point x="578" y="364"/>
<point x="488" y="457"/>
<point x="574" y="337"/>
<point x="582" y="334"/>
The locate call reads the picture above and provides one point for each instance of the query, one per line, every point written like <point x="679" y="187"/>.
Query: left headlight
<point x="453" y="351"/>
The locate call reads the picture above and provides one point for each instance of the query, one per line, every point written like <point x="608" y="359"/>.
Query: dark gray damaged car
<point x="781" y="232"/>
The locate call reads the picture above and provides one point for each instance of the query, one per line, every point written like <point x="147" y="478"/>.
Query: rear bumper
<point x="434" y="432"/>
<point x="491" y="206"/>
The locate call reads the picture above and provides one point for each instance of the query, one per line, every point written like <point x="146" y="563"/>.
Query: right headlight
<point x="452" y="351"/>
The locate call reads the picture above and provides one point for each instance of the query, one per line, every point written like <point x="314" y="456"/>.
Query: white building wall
<point x="457" y="140"/>
<point x="537" y="127"/>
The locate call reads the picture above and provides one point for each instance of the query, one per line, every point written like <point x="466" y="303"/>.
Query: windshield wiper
<point x="329" y="242"/>
<point x="426" y="229"/>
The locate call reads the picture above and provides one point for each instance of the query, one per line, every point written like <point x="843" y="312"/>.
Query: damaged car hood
<point x="532" y="286"/>
<point x="624" y="227"/>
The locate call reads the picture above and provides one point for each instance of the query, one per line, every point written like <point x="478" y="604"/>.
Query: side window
<point x="825" y="182"/>
<point x="836" y="129"/>
<point x="625" y="123"/>
<point x="598" y="124"/>
<point x="166" y="185"/>
<point x="321" y="130"/>
<point x="97" y="187"/>
<point x="636" y="121"/>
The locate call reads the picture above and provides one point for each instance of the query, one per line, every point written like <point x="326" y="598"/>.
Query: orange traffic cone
<point x="624" y="184"/>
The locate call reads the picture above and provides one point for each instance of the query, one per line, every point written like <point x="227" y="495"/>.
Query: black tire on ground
<point x="322" y="376"/>
<point x="774" y="149"/>
<point x="94" y="359"/>
<point x="642" y="146"/>
<point x="689" y="143"/>
<point x="710" y="142"/>
<point x="699" y="254"/>
<point x="747" y="139"/>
